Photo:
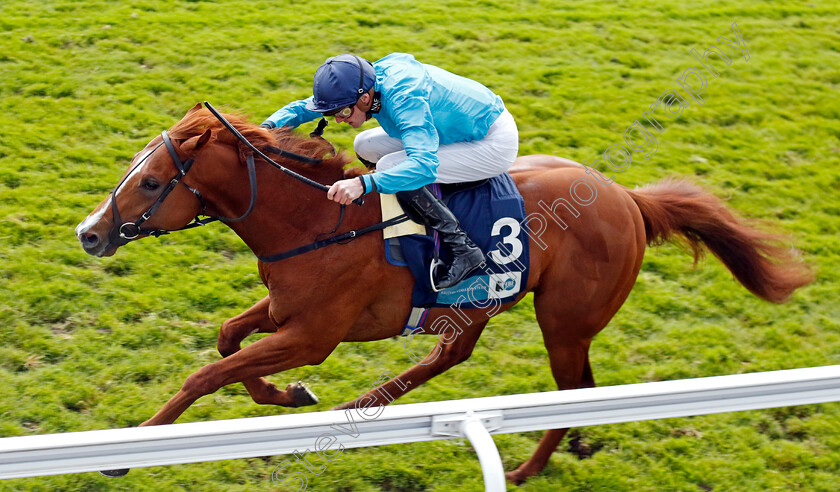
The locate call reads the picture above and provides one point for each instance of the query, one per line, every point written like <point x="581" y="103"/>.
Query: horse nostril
<point x="89" y="240"/>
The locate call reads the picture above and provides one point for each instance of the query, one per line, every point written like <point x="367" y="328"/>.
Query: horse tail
<point x="758" y="259"/>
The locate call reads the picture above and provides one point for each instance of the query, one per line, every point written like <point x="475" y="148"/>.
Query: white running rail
<point x="474" y="419"/>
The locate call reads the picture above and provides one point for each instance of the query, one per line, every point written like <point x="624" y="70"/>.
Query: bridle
<point x="124" y="232"/>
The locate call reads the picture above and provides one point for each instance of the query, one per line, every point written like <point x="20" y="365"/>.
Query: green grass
<point x="90" y="343"/>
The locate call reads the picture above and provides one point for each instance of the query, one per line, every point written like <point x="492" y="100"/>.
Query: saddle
<point x="492" y="212"/>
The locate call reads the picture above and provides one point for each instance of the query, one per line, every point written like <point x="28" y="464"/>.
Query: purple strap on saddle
<point x="415" y="321"/>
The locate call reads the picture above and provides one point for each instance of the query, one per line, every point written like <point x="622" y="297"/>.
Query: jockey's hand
<point x="345" y="191"/>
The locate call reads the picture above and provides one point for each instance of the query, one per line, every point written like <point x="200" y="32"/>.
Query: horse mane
<point x="198" y="120"/>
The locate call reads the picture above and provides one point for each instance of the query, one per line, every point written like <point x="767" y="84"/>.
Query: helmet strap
<point x="376" y="102"/>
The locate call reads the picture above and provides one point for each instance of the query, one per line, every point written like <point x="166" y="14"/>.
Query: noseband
<point x="123" y="232"/>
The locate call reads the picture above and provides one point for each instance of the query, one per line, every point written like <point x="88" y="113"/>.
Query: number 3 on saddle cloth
<point x="492" y="212"/>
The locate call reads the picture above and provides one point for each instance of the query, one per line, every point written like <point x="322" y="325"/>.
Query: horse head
<point x="153" y="194"/>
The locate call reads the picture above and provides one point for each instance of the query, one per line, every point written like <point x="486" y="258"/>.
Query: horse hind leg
<point x="568" y="353"/>
<point x="447" y="353"/>
<point x="236" y="329"/>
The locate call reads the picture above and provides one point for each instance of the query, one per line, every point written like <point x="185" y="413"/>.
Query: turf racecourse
<point x="91" y="343"/>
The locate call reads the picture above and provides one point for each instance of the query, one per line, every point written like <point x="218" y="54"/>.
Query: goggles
<point x="344" y="112"/>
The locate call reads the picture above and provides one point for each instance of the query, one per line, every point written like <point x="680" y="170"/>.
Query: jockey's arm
<point x="420" y="140"/>
<point x="292" y="115"/>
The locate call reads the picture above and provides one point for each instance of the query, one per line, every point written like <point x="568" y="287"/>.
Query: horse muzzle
<point x="96" y="245"/>
<point x="94" y="241"/>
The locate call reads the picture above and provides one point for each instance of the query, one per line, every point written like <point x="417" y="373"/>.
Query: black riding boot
<point x="466" y="256"/>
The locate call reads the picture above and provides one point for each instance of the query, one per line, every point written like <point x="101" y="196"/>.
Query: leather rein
<point x="128" y="231"/>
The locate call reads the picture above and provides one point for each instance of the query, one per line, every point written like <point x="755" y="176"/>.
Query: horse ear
<point x="195" y="143"/>
<point x="193" y="109"/>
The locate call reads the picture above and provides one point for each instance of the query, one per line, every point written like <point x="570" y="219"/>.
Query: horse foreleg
<point x="286" y="349"/>
<point x="446" y="354"/>
<point x="236" y="329"/>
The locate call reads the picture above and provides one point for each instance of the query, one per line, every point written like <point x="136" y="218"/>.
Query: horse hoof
<point x="301" y="395"/>
<point x="115" y="473"/>
<point x="516" y="477"/>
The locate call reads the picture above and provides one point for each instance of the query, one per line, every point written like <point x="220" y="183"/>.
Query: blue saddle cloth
<point x="492" y="212"/>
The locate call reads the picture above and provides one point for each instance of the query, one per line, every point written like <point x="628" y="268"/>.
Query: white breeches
<point x="459" y="162"/>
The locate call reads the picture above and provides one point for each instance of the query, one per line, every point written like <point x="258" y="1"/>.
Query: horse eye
<point x="150" y="184"/>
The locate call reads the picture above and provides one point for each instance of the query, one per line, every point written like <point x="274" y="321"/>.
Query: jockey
<point x="435" y="127"/>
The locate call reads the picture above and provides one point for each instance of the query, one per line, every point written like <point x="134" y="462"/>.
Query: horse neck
<point x="288" y="213"/>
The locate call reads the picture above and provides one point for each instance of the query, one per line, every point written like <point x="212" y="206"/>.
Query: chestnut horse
<point x="586" y="250"/>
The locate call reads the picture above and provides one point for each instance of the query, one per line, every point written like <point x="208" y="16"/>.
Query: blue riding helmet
<point x="340" y="82"/>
